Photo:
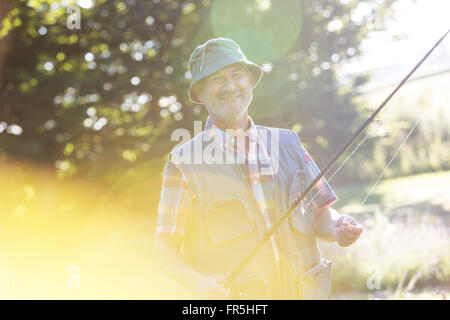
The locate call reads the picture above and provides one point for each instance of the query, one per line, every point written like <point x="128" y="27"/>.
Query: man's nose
<point x="229" y="84"/>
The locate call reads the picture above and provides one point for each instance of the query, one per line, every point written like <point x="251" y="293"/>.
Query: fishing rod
<point x="232" y="276"/>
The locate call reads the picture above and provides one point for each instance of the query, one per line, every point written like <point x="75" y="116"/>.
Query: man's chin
<point x="230" y="112"/>
<point x="234" y="114"/>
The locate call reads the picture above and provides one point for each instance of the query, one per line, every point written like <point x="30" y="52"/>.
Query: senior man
<point x="213" y="211"/>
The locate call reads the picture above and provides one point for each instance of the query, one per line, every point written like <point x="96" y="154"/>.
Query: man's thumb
<point x="346" y="221"/>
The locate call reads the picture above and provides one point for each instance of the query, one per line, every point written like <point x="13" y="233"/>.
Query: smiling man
<point x="227" y="95"/>
<point x="212" y="214"/>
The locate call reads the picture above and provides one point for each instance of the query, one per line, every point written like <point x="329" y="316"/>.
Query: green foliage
<point x="405" y="244"/>
<point x="109" y="95"/>
<point x="427" y="149"/>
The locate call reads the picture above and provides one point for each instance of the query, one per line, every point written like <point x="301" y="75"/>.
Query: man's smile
<point x="230" y="97"/>
<point x="228" y="92"/>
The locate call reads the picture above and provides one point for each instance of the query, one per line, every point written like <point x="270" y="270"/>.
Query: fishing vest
<point x="227" y="222"/>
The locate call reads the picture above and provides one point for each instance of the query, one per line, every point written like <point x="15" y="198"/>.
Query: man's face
<point x="227" y="93"/>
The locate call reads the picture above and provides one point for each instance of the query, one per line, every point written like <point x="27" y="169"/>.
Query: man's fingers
<point x="349" y="235"/>
<point x="346" y="221"/>
<point x="345" y="243"/>
<point x="345" y="235"/>
<point x="348" y="232"/>
<point x="355" y="229"/>
<point x="349" y="221"/>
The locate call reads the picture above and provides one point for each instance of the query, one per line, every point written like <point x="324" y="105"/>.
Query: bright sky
<point x="423" y="22"/>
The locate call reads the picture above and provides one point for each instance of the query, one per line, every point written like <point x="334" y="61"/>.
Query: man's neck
<point x="243" y="123"/>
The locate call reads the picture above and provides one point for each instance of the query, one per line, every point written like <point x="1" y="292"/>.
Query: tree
<point x="106" y="97"/>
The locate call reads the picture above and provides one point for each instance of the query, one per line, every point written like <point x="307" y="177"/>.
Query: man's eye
<point x="237" y="75"/>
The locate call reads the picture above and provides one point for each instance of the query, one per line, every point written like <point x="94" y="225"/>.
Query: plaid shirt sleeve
<point x="175" y="203"/>
<point x="321" y="195"/>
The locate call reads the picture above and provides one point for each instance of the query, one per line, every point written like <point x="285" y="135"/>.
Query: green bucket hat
<point x="216" y="54"/>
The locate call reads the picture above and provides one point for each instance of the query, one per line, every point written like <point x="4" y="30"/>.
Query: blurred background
<point x="91" y="90"/>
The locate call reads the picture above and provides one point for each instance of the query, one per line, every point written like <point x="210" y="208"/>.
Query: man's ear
<point x="250" y="74"/>
<point x="198" y="91"/>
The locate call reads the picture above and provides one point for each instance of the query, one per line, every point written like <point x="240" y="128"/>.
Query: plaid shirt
<point x="175" y="203"/>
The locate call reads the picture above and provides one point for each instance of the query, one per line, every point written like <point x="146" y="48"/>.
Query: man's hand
<point x="347" y="230"/>
<point x="210" y="287"/>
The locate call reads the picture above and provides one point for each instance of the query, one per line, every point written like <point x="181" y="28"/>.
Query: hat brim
<point x="255" y="70"/>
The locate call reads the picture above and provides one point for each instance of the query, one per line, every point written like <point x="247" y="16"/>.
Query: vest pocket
<point x="226" y="220"/>
<point x="315" y="281"/>
<point x="302" y="219"/>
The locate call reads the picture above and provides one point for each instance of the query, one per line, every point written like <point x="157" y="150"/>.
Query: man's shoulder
<point x="188" y="146"/>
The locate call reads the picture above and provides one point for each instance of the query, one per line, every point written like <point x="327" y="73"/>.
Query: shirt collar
<point x="227" y="142"/>
<point x="213" y="130"/>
